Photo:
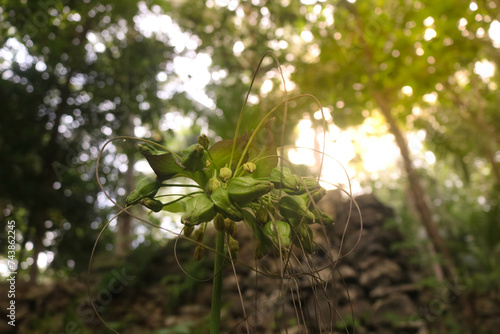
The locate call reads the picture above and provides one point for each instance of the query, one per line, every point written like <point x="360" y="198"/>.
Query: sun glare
<point x="494" y="33"/>
<point x="369" y="141"/>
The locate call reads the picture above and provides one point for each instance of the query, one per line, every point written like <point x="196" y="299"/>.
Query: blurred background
<point x="410" y="96"/>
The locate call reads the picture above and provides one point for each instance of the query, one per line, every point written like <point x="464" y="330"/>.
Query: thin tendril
<point x="240" y="117"/>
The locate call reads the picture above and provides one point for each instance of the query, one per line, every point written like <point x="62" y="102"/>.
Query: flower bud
<point x="279" y="232"/>
<point x="188" y="230"/>
<point x="262" y="215"/>
<point x="233" y="245"/>
<point x="152" y="204"/>
<point x="204" y="141"/>
<point x="261" y="250"/>
<point x="294" y="207"/>
<point x="199" y="209"/>
<point x="199" y="251"/>
<point x="245" y="189"/>
<point x="318" y="194"/>
<point x="304" y="185"/>
<point x="147" y="187"/>
<point x="198" y="234"/>
<point x="212" y="184"/>
<point x="314" y="195"/>
<point x="310" y="184"/>
<point x="304" y="238"/>
<point x="230" y="226"/>
<point x="322" y="217"/>
<point x="194" y="158"/>
<point x="219" y="222"/>
<point x="282" y="177"/>
<point x="147" y="148"/>
<point x="249" y="167"/>
<point x="225" y="206"/>
<point x="225" y="174"/>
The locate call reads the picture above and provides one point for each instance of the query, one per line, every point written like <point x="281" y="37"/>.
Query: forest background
<point x="409" y="90"/>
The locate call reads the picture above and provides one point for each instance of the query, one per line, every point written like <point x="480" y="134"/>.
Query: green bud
<point x="278" y="174"/>
<point x="296" y="186"/>
<point x="147" y="148"/>
<point x="304" y="238"/>
<point x="194" y="158"/>
<point x="322" y="217"/>
<point x="188" y="230"/>
<point x="293" y="184"/>
<point x="294" y="207"/>
<point x="199" y="209"/>
<point x="310" y="184"/>
<point x="147" y="187"/>
<point x="198" y="234"/>
<point x="225" y="174"/>
<point x="283" y="178"/>
<point x="204" y="141"/>
<point x="261" y="250"/>
<point x="152" y="204"/>
<point x="212" y="184"/>
<point x="225" y="206"/>
<point x="249" y="167"/>
<point x="199" y="251"/>
<point x="230" y="226"/>
<point x="245" y="189"/>
<point x="279" y="232"/>
<point x="315" y="195"/>
<point x="233" y="245"/>
<point x="219" y="222"/>
<point x="318" y="194"/>
<point x="262" y="215"/>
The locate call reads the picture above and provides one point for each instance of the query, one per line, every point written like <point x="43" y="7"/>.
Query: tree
<point x="396" y="53"/>
<point x="87" y="71"/>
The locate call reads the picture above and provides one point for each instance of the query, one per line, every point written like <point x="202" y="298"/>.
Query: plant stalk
<point x="217" y="284"/>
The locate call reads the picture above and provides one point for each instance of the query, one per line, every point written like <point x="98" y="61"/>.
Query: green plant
<point x="236" y="180"/>
<point x="273" y="204"/>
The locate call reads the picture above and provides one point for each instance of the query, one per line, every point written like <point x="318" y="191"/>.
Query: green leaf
<point x="267" y="158"/>
<point x="175" y="207"/>
<point x="221" y="151"/>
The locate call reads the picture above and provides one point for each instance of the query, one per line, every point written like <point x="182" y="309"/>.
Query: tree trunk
<point x="124" y="236"/>
<point x="416" y="190"/>
<point x="37" y="249"/>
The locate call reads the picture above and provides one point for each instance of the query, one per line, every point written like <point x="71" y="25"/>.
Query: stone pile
<point x="356" y="282"/>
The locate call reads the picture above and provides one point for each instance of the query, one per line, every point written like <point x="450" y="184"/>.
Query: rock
<point x="381" y="272"/>
<point x="37" y="291"/>
<point x="490" y="325"/>
<point x="230" y="282"/>
<point x="347" y="273"/>
<point x="360" y="308"/>
<point x="395" y="308"/>
<point x="349" y="294"/>
<point x="383" y="291"/>
<point x="487" y="307"/>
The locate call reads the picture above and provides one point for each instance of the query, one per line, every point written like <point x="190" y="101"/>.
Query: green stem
<point x="217" y="284"/>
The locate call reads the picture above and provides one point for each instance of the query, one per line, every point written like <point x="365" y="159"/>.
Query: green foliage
<point x="178" y="288"/>
<point x="66" y="98"/>
<point x="232" y="195"/>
